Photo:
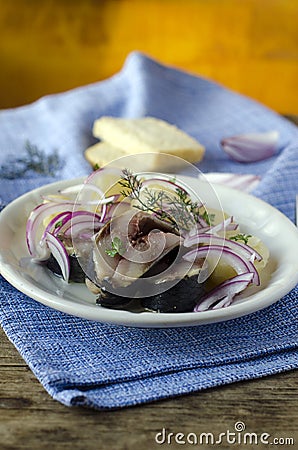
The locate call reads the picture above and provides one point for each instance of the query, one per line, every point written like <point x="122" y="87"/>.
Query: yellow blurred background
<point x="49" y="46"/>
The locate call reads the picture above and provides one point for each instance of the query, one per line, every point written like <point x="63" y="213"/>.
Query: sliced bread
<point x="147" y="134"/>
<point x="102" y="153"/>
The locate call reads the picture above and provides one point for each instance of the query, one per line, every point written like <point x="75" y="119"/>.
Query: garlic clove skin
<point x="251" y="147"/>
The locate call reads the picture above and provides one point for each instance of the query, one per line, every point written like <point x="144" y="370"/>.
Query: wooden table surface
<point x="31" y="419"/>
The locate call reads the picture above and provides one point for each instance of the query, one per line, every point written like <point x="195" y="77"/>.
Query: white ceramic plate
<point x="255" y="217"/>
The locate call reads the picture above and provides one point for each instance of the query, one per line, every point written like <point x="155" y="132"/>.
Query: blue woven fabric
<point x="81" y="362"/>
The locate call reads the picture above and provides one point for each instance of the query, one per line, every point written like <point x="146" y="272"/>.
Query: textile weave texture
<point x="81" y="362"/>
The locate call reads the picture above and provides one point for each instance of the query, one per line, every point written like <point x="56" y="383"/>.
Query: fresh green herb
<point x="96" y="166"/>
<point x="154" y="200"/>
<point x="132" y="185"/>
<point x="34" y="160"/>
<point x="59" y="224"/>
<point x="132" y="188"/>
<point x="241" y="237"/>
<point x="179" y="210"/>
<point x="116" y="248"/>
<point x="209" y="218"/>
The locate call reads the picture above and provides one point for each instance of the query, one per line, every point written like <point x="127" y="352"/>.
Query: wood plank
<point x="31" y="419"/>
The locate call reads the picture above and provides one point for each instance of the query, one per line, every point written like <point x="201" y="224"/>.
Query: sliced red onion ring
<point x="74" y="189"/>
<point x="60" y="254"/>
<point x="200" y="227"/>
<point x="227" y="224"/>
<point x="226" y="301"/>
<point x="208" y="238"/>
<point x="77" y="217"/>
<point x="36" y="218"/>
<point x="101" y="201"/>
<point x="163" y="182"/>
<point x="204" y="229"/>
<point x="70" y="192"/>
<point x="251" y="147"/>
<point x="56" y="223"/>
<point x="95" y="189"/>
<point x="103" y="213"/>
<point x="224" y="293"/>
<point x="241" y="182"/>
<point x="75" y="229"/>
<point x="81" y="189"/>
<point x="239" y="264"/>
<point x="104" y="201"/>
<point x="202" y="223"/>
<point x="52" y="198"/>
<point x="99" y="173"/>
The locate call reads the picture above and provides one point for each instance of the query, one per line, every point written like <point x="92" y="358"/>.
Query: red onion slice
<point x="75" y="229"/>
<point x="251" y="147"/>
<point x="70" y="192"/>
<point x="96" y="190"/>
<point x="60" y="254"/>
<point x="35" y="220"/>
<point x="83" y="198"/>
<point x="110" y="172"/>
<point x="202" y="227"/>
<point x="223" y="295"/>
<point x="237" y="262"/>
<point x="56" y="223"/>
<point x="207" y="238"/>
<point x="93" y="220"/>
<point x="164" y="182"/>
<point x="246" y="182"/>
<point x="226" y="301"/>
<point x="53" y="198"/>
<point x="74" y="189"/>
<point x="101" y="201"/>
<point x="227" y="224"/>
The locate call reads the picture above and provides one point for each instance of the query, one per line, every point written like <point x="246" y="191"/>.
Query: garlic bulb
<point x="251" y="147"/>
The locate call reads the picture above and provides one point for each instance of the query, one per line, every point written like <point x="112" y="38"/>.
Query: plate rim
<point x="143" y="319"/>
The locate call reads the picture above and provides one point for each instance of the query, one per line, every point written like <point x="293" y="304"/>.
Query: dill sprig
<point x="34" y="160"/>
<point x="131" y="183"/>
<point x="154" y="200"/>
<point x="177" y="209"/>
<point x="209" y="218"/>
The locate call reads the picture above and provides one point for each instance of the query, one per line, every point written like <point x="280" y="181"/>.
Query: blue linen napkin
<point x="81" y="362"/>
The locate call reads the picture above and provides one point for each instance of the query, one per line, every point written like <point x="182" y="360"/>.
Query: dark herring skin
<point x="180" y="298"/>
